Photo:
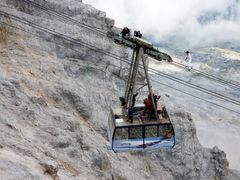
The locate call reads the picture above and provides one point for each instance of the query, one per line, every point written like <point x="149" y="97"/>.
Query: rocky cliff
<point x="55" y="99"/>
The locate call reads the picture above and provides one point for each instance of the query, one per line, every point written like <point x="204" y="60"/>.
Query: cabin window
<point x="136" y="133"/>
<point x="121" y="133"/>
<point x="163" y="129"/>
<point x="151" y="131"/>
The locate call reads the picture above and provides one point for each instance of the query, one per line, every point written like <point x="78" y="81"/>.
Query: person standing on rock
<point x="188" y="61"/>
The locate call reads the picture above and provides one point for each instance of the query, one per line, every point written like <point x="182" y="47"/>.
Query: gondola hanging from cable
<point x="144" y="126"/>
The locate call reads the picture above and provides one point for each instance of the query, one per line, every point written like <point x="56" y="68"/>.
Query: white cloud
<point x="163" y="19"/>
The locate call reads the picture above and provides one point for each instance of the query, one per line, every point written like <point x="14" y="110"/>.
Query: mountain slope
<point x="55" y="99"/>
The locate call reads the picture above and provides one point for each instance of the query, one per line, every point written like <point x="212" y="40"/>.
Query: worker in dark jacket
<point x="125" y="32"/>
<point x="134" y="99"/>
<point x="138" y="34"/>
<point x="130" y="114"/>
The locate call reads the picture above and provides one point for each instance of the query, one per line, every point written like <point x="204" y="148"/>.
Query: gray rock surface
<point x="54" y="102"/>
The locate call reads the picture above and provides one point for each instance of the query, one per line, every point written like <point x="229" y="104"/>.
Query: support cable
<point x="124" y="60"/>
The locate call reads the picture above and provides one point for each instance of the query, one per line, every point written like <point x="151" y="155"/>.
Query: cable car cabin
<point x="145" y="126"/>
<point x="145" y="132"/>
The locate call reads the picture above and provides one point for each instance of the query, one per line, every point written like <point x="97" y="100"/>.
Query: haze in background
<point x="185" y="23"/>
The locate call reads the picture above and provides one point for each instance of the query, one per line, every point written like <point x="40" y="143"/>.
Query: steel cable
<point x="123" y="59"/>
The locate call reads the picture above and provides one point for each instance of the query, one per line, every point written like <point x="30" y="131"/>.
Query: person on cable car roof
<point x="156" y="98"/>
<point x="134" y="99"/>
<point x="137" y="34"/>
<point x="125" y="32"/>
<point x="131" y="108"/>
<point x="148" y="105"/>
<point x="149" y="108"/>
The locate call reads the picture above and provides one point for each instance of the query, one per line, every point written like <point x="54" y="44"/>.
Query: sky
<point x="185" y="23"/>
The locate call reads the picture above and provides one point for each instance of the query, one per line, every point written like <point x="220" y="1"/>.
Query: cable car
<point x="144" y="125"/>
<point x="139" y="135"/>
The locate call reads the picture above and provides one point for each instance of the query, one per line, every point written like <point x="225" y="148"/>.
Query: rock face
<point x="55" y="96"/>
